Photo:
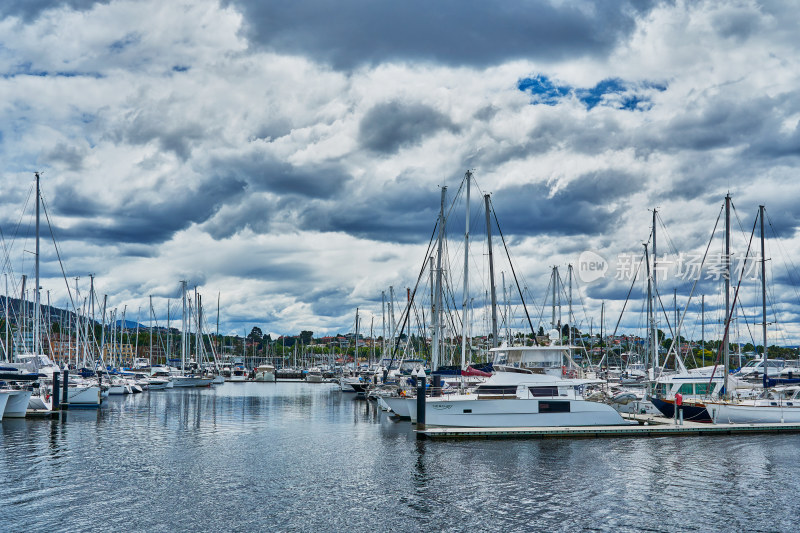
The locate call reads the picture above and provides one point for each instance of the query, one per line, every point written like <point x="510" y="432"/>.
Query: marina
<point x="399" y="266"/>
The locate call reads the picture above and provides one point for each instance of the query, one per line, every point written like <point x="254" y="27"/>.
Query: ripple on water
<point x="301" y="457"/>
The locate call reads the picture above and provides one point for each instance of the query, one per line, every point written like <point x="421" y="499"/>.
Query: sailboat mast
<point x="183" y="328"/>
<point x="569" y="318"/>
<point x="383" y="318"/>
<point x="151" y="330"/>
<point x="650" y="313"/>
<point x="703" y="327"/>
<point x="9" y="357"/>
<point x="491" y="272"/>
<point x="465" y="301"/>
<point x="355" y="343"/>
<point x="725" y="343"/>
<point x="763" y="292"/>
<point x="36" y="340"/>
<point x="437" y="315"/>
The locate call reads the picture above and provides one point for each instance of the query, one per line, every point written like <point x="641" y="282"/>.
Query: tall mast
<point x="553" y="323"/>
<point x="169" y="336"/>
<point x="437" y="324"/>
<point x="763" y="292"/>
<point x="465" y="302"/>
<point x="91" y="296"/>
<point x="655" y="253"/>
<point x="703" y="327"/>
<point x="727" y="289"/>
<point x="650" y="313"/>
<point x="383" y="318"/>
<point x="183" y="328"/>
<point x="103" y="331"/>
<point x="151" y="330"/>
<point x="36" y="341"/>
<point x="569" y="318"/>
<point x="677" y="326"/>
<point x="9" y="357"/>
<point x="355" y="343"/>
<point x="491" y="272"/>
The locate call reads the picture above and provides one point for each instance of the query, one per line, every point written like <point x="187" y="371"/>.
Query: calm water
<point x="304" y="457"/>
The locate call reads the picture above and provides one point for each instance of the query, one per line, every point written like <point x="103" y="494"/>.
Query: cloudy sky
<point x="289" y="155"/>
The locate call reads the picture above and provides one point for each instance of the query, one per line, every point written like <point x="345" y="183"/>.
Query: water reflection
<point x="308" y="457"/>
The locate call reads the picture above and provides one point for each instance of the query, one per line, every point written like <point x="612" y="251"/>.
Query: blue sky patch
<point x="180" y="68"/>
<point x="611" y="92"/>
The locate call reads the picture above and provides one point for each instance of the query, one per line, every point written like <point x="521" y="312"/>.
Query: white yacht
<point x="4" y="396"/>
<point x="314" y="375"/>
<point x="554" y="359"/>
<point x="780" y="405"/>
<point x="514" y="399"/>
<point x="239" y="373"/>
<point x="265" y="373"/>
<point x="17" y="404"/>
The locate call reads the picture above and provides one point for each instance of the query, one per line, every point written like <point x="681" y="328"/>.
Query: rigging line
<point x="407" y="309"/>
<point x="633" y="283"/>
<point x="513" y="271"/>
<point x="735" y="298"/>
<point x="747" y="324"/>
<point x="544" y="303"/>
<point x="694" y="285"/>
<point x="7" y="247"/>
<point x="784" y="255"/>
<point x="55" y="245"/>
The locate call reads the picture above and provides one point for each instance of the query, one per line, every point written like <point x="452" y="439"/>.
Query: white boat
<point x="17" y="404"/>
<point x="314" y="375"/>
<point x="191" y="381"/>
<point x="4" y="397"/>
<point x="400" y="405"/>
<point x="346" y="383"/>
<point x="554" y="360"/>
<point x="513" y="399"/>
<point x="780" y="405"/>
<point x="265" y="373"/>
<point x="238" y="373"/>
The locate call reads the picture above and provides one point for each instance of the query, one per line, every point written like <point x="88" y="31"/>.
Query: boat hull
<point x="694" y="412"/>
<point x="751" y="414"/>
<point x="400" y="406"/>
<point x="4" y="397"/>
<point x="17" y="404"/>
<point x="484" y="413"/>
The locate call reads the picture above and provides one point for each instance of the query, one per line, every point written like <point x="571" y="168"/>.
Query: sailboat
<point x="184" y="378"/>
<point x="775" y="406"/>
<point x="79" y="393"/>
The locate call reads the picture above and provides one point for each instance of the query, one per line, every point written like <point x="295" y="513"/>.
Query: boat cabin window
<point x="543" y="391"/>
<point x="686" y="388"/>
<point x="702" y="388"/>
<point x="497" y="389"/>
<point x="554" y="407"/>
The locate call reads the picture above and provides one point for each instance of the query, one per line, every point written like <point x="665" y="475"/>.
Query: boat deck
<point x="646" y="426"/>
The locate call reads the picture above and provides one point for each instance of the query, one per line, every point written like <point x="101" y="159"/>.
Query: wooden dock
<point x="645" y="426"/>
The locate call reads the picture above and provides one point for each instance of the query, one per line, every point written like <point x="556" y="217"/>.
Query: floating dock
<point x="645" y="426"/>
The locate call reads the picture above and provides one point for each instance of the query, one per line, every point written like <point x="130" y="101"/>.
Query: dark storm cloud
<point x="173" y="134"/>
<point x="350" y="33"/>
<point x="401" y="211"/>
<point x="29" y="10"/>
<point x="141" y="220"/>
<point x="68" y="155"/>
<point x="588" y="205"/>
<point x="390" y="126"/>
<point x="265" y="173"/>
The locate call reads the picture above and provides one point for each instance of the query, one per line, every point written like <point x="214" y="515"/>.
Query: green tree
<point x="306" y="336"/>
